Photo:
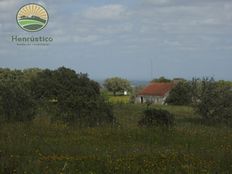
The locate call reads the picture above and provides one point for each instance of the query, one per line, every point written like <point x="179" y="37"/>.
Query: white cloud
<point x="164" y="23"/>
<point x="102" y="42"/>
<point x="111" y="12"/>
<point x="6" y="4"/>
<point x="85" y="39"/>
<point x="157" y="2"/>
<point x="165" y="3"/>
<point x="115" y="29"/>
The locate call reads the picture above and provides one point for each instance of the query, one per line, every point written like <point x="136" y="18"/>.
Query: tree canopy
<point x="117" y="84"/>
<point x="64" y="94"/>
<point x="214" y="101"/>
<point x="162" y="79"/>
<point x="16" y="102"/>
<point x="180" y="94"/>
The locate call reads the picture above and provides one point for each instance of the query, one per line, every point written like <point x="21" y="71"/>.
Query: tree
<point x="62" y="93"/>
<point x="19" y="75"/>
<point x="180" y="94"/>
<point x="75" y="97"/>
<point x="16" y="103"/>
<point x="162" y="79"/>
<point x="11" y="75"/>
<point x="117" y="84"/>
<point x="31" y="73"/>
<point x="214" y="101"/>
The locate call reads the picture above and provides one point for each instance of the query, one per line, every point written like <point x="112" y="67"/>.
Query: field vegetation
<point x="59" y="121"/>
<point x="188" y="147"/>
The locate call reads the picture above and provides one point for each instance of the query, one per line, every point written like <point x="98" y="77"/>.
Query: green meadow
<point x="119" y="99"/>
<point x="188" y="148"/>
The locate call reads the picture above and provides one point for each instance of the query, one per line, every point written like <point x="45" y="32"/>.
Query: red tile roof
<point x="157" y="89"/>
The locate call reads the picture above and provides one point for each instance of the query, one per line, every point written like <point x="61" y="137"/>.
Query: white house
<point x="155" y="93"/>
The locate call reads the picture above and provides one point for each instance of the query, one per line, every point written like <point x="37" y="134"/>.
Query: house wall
<point x="153" y="99"/>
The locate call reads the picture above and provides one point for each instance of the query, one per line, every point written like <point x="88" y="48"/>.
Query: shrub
<point x="180" y="94"/>
<point x="16" y="103"/>
<point x="85" y="112"/>
<point x="75" y="97"/>
<point x="156" y="117"/>
<point x="214" y="102"/>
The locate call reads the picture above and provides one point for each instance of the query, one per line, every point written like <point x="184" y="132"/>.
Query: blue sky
<point x="106" y="38"/>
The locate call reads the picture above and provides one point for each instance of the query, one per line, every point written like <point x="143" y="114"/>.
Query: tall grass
<point x="189" y="147"/>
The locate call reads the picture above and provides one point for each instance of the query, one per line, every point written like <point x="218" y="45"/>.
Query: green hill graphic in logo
<point x="32" y="17"/>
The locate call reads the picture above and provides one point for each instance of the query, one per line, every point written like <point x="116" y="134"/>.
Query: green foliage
<point x="16" y="103"/>
<point x="223" y="83"/>
<point x="62" y="94"/>
<point x="117" y="84"/>
<point x="119" y="99"/>
<point x="214" y="101"/>
<point x="180" y="94"/>
<point x="19" y="75"/>
<point x="156" y="117"/>
<point x="162" y="79"/>
<point x="58" y="148"/>
<point x="10" y="75"/>
<point x="77" y="99"/>
<point x="31" y="73"/>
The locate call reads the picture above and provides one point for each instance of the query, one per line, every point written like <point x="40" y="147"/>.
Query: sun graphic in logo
<point x="32" y="17"/>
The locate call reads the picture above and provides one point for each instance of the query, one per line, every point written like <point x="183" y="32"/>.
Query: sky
<point x="132" y="39"/>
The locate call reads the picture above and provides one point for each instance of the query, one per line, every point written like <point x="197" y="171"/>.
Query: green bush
<point x="156" y="117"/>
<point x="214" y="102"/>
<point x="75" y="97"/>
<point x="180" y="94"/>
<point x="16" y="103"/>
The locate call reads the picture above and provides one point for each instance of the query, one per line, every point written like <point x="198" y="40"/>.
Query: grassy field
<point x="189" y="147"/>
<point x="119" y="99"/>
